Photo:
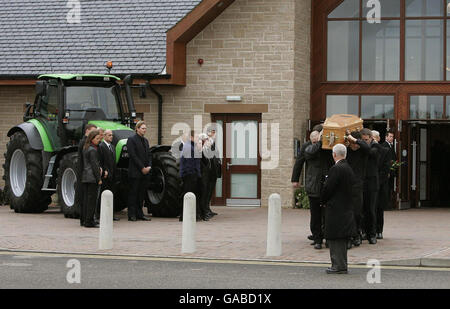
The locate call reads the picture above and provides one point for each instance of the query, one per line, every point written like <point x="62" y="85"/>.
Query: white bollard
<point x="106" y="221"/>
<point x="274" y="226"/>
<point x="189" y="223"/>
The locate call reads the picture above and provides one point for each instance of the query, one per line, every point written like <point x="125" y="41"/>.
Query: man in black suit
<point x="371" y="186"/>
<point x="389" y="143"/>
<point x="339" y="220"/>
<point x="357" y="155"/>
<point x="384" y="165"/>
<point x="138" y="168"/>
<point x="79" y="188"/>
<point x="107" y="158"/>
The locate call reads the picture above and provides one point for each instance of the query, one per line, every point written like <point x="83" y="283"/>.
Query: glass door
<point x="241" y="163"/>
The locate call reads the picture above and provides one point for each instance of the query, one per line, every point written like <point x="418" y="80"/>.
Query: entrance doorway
<point x="237" y="138"/>
<point x="430" y="165"/>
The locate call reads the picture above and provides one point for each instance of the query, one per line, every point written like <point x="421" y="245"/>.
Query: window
<point x="372" y="106"/>
<point x="343" y="51"/>
<point x="426" y="107"/>
<point x="377" y="107"/>
<point x="381" y="51"/>
<point x="362" y="51"/>
<point x="342" y="104"/>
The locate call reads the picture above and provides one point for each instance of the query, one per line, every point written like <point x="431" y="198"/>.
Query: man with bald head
<point x="107" y="158"/>
<point x="339" y="218"/>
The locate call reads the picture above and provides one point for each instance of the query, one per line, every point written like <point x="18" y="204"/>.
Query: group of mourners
<point x="200" y="167"/>
<point x="348" y="189"/>
<point x="97" y="167"/>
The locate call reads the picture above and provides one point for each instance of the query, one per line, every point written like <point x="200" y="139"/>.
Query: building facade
<point x="267" y="71"/>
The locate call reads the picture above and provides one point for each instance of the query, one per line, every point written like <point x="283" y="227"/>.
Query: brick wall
<point x="12" y="102"/>
<point x="258" y="49"/>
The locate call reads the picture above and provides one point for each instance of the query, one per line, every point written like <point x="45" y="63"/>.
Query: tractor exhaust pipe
<point x="128" y="81"/>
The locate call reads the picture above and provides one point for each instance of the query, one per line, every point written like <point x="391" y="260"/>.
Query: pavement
<point x="414" y="237"/>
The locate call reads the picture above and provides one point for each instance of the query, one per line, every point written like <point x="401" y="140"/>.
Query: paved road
<point x="47" y="271"/>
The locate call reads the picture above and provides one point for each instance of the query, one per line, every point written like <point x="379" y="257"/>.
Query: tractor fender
<point x="31" y="132"/>
<point x="160" y="148"/>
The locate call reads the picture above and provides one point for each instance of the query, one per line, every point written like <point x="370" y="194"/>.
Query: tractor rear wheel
<point x="163" y="198"/>
<point x="68" y="178"/>
<point x="24" y="176"/>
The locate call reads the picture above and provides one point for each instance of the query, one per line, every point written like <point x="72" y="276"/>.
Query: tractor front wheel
<point x="24" y="176"/>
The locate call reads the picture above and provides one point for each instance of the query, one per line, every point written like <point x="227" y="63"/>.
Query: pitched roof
<point x="36" y="37"/>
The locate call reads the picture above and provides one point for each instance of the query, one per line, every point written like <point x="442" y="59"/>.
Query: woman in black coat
<point x="91" y="178"/>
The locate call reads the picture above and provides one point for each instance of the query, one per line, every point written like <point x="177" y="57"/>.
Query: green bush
<point x="301" y="198"/>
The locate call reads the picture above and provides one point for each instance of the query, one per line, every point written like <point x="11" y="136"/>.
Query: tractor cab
<point x="65" y="103"/>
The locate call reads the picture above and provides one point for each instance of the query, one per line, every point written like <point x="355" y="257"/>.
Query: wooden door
<point x="238" y="143"/>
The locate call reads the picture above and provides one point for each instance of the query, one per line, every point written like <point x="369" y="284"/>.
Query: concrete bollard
<point x="274" y="226"/>
<point x="106" y="221"/>
<point x="189" y="223"/>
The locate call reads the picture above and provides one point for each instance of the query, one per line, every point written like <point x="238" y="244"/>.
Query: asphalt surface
<point x="55" y="271"/>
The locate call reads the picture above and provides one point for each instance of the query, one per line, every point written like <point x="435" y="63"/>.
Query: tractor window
<point x="81" y="100"/>
<point x="49" y="103"/>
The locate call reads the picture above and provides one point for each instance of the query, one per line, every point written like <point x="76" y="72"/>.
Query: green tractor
<point x="41" y="157"/>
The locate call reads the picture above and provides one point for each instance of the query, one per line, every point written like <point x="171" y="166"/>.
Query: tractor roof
<point x="77" y="76"/>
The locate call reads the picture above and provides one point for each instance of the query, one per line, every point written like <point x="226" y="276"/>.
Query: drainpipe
<point x="160" y="102"/>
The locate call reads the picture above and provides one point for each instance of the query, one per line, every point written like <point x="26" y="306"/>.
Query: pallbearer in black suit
<point x="138" y="168"/>
<point x="107" y="157"/>
<point x="357" y="155"/>
<point x="339" y="221"/>
<point x="371" y="186"/>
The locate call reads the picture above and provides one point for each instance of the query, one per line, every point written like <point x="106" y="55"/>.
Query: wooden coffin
<point x="335" y="128"/>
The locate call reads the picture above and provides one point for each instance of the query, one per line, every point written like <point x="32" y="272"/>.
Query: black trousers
<point x="358" y="201"/>
<point x="211" y="186"/>
<point x="204" y="192"/>
<point x="338" y="253"/>
<point x="91" y="195"/>
<point x="369" y="211"/>
<point x="106" y="185"/>
<point x="316" y="223"/>
<point x="383" y="200"/>
<point x="136" y="197"/>
<point x="191" y="183"/>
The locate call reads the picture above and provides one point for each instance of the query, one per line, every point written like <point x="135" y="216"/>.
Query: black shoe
<point x="349" y="244"/>
<point x="363" y="236"/>
<point x="144" y="218"/>
<point x="331" y="270"/>
<point x="311" y="237"/>
<point x="92" y="225"/>
<point x="198" y="218"/>
<point x="214" y="213"/>
<point x="318" y="246"/>
<point x="132" y="219"/>
<point x="116" y="219"/>
<point x="379" y="235"/>
<point x="205" y="218"/>
<point x="372" y="240"/>
<point x="180" y="219"/>
<point x="356" y="242"/>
